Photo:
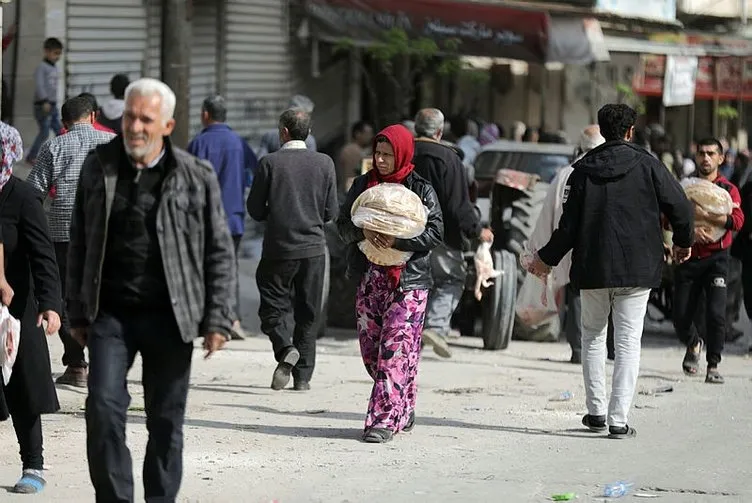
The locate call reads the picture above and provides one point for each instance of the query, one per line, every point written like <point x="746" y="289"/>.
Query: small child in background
<point x="46" y="79"/>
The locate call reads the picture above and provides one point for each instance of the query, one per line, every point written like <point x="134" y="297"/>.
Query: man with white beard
<point x="151" y="267"/>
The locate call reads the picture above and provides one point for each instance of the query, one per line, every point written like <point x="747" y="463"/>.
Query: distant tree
<point x="401" y="60"/>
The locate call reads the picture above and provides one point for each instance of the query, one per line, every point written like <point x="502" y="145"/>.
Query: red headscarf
<point x="403" y="144"/>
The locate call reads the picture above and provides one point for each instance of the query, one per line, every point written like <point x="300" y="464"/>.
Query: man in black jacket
<point x="440" y="165"/>
<point x="295" y="192"/>
<point x="612" y="222"/>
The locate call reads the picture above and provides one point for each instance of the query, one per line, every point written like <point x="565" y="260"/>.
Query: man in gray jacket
<point x="151" y="267"/>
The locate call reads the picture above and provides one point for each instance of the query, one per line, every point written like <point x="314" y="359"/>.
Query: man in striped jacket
<point x="56" y="173"/>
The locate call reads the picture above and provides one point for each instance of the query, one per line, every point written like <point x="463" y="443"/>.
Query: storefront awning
<point x="482" y="29"/>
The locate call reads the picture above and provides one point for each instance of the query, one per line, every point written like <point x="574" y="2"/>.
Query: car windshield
<point x="544" y="165"/>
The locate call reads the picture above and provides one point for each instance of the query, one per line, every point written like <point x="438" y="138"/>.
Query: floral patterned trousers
<point x="390" y="323"/>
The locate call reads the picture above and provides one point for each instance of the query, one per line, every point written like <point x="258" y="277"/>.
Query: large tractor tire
<point x="525" y="213"/>
<point x="497" y="304"/>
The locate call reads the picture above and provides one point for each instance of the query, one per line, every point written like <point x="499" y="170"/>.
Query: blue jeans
<point x="46" y="122"/>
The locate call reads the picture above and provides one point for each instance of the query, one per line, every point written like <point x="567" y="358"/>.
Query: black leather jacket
<point x="417" y="273"/>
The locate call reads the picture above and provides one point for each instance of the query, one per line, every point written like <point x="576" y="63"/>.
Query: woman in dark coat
<point x="391" y="301"/>
<point x="31" y="271"/>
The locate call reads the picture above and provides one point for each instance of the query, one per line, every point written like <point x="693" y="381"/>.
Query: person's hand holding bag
<point x="52" y="319"/>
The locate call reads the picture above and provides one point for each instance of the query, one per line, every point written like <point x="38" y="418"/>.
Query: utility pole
<point x="176" y="62"/>
<point x="2" y="2"/>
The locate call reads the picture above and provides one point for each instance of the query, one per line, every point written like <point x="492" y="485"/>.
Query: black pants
<point x="29" y="434"/>
<point x="573" y="324"/>
<point x="236" y="241"/>
<point x="114" y="340"/>
<point x="747" y="285"/>
<point x="691" y="280"/>
<point x="73" y="353"/>
<point x="292" y="288"/>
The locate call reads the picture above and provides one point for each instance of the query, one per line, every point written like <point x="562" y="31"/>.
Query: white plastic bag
<point x="390" y="209"/>
<point x="711" y="198"/>
<point x="536" y="301"/>
<point x="10" y="337"/>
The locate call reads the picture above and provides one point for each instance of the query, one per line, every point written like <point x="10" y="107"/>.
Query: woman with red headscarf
<point x="391" y="300"/>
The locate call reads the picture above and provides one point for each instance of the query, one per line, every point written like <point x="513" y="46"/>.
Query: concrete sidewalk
<point x="486" y="431"/>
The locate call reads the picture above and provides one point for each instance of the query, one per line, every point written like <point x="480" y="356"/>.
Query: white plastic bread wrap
<point x="393" y="210"/>
<point x="711" y="198"/>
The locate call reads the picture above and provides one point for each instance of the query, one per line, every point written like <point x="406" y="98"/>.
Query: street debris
<point x="562" y="397"/>
<point x="563" y="497"/>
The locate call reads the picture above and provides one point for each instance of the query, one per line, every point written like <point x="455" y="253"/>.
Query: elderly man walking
<point x="151" y="268"/>
<point x="442" y="167"/>
<point x="611" y="221"/>
<point x="234" y="162"/>
<point x="55" y="173"/>
<point x="295" y="193"/>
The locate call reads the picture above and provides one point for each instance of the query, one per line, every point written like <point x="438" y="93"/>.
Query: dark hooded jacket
<point x="440" y="165"/>
<point x="612" y="219"/>
<point x="417" y="272"/>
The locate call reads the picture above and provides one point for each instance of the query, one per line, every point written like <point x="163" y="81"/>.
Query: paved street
<point x="487" y="429"/>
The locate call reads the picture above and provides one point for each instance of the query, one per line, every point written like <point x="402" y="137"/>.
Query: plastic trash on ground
<point x="617" y="489"/>
<point x="10" y="337"/>
<point x="563" y="497"/>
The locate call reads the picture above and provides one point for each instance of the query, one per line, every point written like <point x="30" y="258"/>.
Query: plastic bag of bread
<point x="708" y="196"/>
<point x="711" y="198"/>
<point x="387" y="257"/>
<point x="390" y="209"/>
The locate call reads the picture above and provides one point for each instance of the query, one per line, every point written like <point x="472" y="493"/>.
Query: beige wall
<point x="39" y="19"/>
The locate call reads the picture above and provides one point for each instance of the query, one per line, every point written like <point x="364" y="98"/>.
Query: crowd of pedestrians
<point x="125" y="244"/>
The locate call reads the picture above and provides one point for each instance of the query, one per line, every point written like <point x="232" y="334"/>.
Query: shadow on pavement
<point x="419" y="421"/>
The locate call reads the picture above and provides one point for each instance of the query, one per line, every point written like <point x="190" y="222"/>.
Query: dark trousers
<point x="114" y="340"/>
<point x="292" y="288"/>
<point x="747" y="285"/>
<point x="236" y="241"/>
<point x="29" y="434"/>
<point x="73" y="353"/>
<point x="573" y="324"/>
<point x="692" y="279"/>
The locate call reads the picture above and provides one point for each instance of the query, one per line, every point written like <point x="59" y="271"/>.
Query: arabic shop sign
<point x="482" y="30"/>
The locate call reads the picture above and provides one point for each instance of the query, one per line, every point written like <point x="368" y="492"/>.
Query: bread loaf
<point x="390" y="209"/>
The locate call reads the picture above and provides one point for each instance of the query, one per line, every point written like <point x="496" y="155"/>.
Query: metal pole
<point x="176" y="59"/>
<point x="745" y="12"/>
<point x="1" y="52"/>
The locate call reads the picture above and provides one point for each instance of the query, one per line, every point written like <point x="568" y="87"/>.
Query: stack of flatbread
<point x="393" y="210"/>
<point x="711" y="198"/>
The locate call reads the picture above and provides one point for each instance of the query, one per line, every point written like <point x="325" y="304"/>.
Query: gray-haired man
<point x="295" y="192"/>
<point x="441" y="166"/>
<point x="151" y="268"/>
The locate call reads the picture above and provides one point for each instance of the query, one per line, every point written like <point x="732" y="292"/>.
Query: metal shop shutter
<point x="204" y="64"/>
<point x="258" y="63"/>
<point x="105" y="37"/>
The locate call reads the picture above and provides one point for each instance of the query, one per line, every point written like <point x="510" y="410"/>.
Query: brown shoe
<point x="73" y="376"/>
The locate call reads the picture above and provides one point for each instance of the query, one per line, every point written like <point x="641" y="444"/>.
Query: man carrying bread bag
<point x="706" y="271"/>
